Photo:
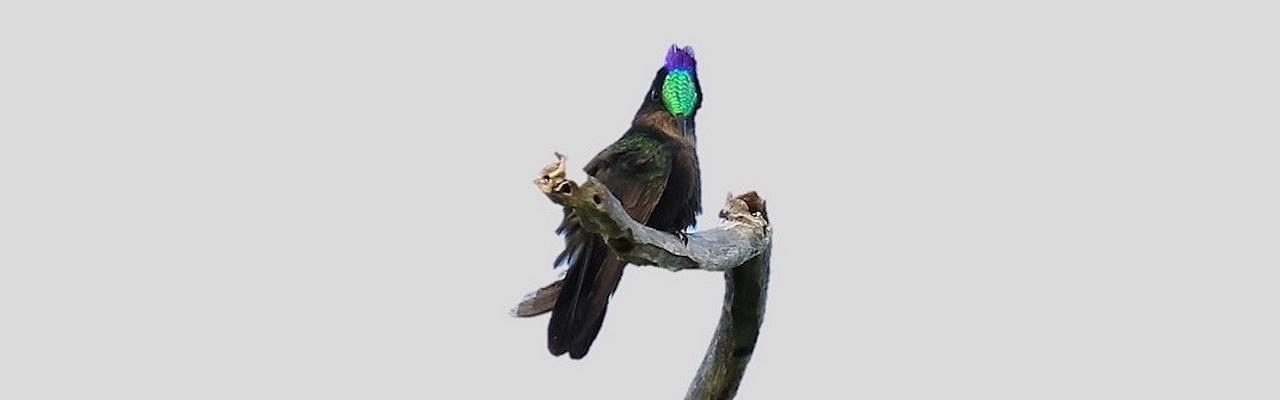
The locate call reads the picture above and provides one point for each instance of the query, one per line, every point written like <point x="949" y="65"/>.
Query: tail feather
<point x="579" y="311"/>
<point x="538" y="302"/>
<point x="579" y="349"/>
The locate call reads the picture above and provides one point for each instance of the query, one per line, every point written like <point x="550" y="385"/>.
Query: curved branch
<point x="743" y="234"/>
<point x="745" y="290"/>
<point x="740" y="246"/>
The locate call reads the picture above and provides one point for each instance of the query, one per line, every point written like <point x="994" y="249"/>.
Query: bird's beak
<point x="684" y="125"/>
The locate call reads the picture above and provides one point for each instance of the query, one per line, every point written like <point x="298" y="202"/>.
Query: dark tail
<point x="593" y="275"/>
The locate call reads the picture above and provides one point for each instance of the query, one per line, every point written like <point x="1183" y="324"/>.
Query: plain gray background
<point x="994" y="200"/>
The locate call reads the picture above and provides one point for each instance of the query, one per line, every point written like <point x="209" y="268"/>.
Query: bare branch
<point x="725" y="363"/>
<point x="739" y="247"/>
<point x="744" y="232"/>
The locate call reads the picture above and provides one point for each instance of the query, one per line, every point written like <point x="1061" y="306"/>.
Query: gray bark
<point x="745" y="289"/>
<point x="739" y="247"/>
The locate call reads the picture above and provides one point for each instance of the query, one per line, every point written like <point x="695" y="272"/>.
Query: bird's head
<point x="675" y="91"/>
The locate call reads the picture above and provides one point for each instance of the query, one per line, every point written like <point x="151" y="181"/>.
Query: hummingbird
<point x="653" y="171"/>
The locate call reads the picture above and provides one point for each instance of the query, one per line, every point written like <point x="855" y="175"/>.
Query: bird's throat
<point x="664" y="122"/>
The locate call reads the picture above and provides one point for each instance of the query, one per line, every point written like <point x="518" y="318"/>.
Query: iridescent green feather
<point x="647" y="150"/>
<point x="679" y="93"/>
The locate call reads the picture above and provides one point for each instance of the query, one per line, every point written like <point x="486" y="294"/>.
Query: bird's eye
<point x="653" y="95"/>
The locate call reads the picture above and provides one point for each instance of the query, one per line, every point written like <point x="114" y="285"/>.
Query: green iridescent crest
<point x="679" y="93"/>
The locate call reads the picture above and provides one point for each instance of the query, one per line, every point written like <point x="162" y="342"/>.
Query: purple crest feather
<point x="681" y="58"/>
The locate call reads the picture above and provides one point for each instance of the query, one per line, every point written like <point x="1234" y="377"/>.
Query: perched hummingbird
<point x="653" y="170"/>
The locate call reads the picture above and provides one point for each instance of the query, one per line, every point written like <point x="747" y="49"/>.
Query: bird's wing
<point x="635" y="169"/>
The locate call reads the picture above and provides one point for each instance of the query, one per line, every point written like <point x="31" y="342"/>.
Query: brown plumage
<point x="653" y="170"/>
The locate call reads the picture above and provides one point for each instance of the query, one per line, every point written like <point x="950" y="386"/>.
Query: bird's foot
<point x="684" y="238"/>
